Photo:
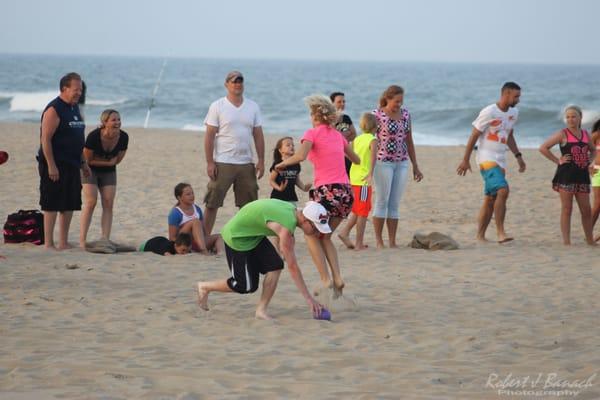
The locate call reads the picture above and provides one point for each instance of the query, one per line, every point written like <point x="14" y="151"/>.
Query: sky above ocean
<point x="509" y="31"/>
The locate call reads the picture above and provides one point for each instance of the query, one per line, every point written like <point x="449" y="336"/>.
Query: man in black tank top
<point x="59" y="160"/>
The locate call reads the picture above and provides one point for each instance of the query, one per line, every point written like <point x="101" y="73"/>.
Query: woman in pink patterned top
<point x="326" y="148"/>
<point x="395" y="148"/>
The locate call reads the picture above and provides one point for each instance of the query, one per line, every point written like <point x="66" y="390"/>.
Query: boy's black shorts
<point x="246" y="266"/>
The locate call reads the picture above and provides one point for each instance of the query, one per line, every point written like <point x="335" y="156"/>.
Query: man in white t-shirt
<point x="493" y="133"/>
<point x="232" y="123"/>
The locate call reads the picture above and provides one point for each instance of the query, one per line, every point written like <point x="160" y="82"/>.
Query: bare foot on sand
<point x="361" y="247"/>
<point x="346" y="241"/>
<point x="324" y="287"/>
<point x="505" y="240"/>
<point x="262" y="314"/>
<point x="380" y="245"/>
<point x="65" y="246"/>
<point x="338" y="287"/>
<point x="202" y="297"/>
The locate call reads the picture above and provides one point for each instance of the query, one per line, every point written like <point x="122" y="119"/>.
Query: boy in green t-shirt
<point x="249" y="252"/>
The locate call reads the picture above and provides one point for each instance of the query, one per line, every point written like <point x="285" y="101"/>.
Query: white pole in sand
<point x="154" y="93"/>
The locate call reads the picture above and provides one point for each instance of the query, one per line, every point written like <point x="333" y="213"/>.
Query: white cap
<point x="317" y="214"/>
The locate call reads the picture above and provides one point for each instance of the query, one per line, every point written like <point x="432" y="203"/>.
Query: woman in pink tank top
<point x="325" y="148"/>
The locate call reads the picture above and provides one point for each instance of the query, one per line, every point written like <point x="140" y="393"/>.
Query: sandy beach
<point x="415" y="324"/>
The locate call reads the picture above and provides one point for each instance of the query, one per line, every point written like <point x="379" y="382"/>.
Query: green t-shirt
<point x="362" y="147"/>
<point x="249" y="226"/>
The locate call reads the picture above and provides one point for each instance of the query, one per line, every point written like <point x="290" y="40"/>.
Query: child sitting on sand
<point x="186" y="217"/>
<point x="283" y="182"/>
<point x="361" y="177"/>
<point x="164" y="247"/>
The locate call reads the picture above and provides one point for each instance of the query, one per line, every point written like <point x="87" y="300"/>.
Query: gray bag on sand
<point x="433" y="241"/>
<point x="107" y="247"/>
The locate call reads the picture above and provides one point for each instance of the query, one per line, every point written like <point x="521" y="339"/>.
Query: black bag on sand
<point x="24" y="226"/>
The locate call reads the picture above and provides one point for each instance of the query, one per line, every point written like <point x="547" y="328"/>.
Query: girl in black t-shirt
<point x="284" y="182"/>
<point x="105" y="147"/>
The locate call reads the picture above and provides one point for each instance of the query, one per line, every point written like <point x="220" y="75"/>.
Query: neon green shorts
<point x="596" y="178"/>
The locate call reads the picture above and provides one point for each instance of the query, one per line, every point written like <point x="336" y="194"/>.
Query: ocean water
<point x="442" y="98"/>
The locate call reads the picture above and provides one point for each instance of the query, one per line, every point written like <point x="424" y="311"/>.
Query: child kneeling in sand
<point x="186" y="217"/>
<point x="164" y="247"/>
<point x="361" y="179"/>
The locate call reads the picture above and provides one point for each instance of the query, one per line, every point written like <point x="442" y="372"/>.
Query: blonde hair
<point x="368" y="123"/>
<point x="321" y="108"/>
<point x="389" y="94"/>
<point x="575" y="108"/>
<point x="106" y="115"/>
